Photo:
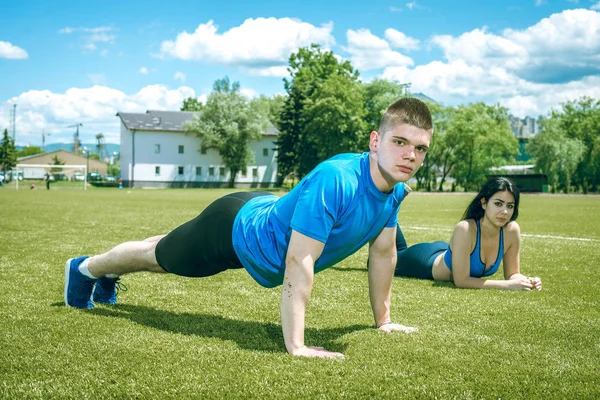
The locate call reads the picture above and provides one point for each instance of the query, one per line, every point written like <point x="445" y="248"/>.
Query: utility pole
<point x="76" y="142"/>
<point x="44" y="139"/>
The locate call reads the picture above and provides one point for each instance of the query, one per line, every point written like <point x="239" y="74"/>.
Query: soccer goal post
<point x="57" y="172"/>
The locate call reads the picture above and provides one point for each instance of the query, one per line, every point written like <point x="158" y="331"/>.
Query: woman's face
<point x="500" y="208"/>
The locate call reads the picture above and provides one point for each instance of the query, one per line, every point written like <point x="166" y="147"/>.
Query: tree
<point x="191" y="104"/>
<point x="270" y="106"/>
<point x="308" y="68"/>
<point x="580" y="119"/>
<point x="29" y="151"/>
<point x="56" y="161"/>
<point x="440" y="158"/>
<point x="479" y="137"/>
<point x="334" y="121"/>
<point x="8" y="153"/>
<point x="556" y="155"/>
<point x="227" y="124"/>
<point x="379" y="94"/>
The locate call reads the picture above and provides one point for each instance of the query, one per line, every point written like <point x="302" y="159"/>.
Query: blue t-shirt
<point x="337" y="204"/>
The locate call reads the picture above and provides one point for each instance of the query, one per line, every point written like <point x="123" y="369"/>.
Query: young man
<point x="344" y="203"/>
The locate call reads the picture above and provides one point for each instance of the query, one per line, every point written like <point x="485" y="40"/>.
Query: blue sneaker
<point x="106" y="290"/>
<point x="78" y="287"/>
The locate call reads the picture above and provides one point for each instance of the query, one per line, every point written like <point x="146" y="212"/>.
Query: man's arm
<point x="382" y="262"/>
<point x="302" y="254"/>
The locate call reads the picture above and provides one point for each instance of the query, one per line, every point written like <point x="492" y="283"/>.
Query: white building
<point x="156" y="152"/>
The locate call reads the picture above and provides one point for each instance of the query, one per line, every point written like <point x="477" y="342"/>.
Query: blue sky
<point x="67" y="62"/>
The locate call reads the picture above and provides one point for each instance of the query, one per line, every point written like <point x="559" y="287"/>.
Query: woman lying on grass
<point x="486" y="235"/>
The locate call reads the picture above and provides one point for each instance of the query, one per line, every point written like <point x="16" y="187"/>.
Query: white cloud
<point x="459" y="83"/>
<point x="95" y="107"/>
<point x="561" y="48"/>
<point x="143" y="71"/>
<point x="179" y="76"/>
<point x="249" y="93"/>
<point x="539" y="2"/>
<point x="368" y="51"/>
<point x="91" y="37"/>
<point x="97" y="79"/>
<point x="411" y="5"/>
<point x="596" y="6"/>
<point x="279" y="71"/>
<point x="400" y="40"/>
<point x="257" y="43"/>
<point x="9" y="50"/>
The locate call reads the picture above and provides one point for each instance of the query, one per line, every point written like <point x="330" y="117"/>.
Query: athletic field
<point x="220" y="337"/>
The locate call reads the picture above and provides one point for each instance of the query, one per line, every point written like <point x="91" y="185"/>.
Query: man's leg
<point x="98" y="277"/>
<point x="126" y="258"/>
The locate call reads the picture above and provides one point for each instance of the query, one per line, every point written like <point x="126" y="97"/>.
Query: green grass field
<point x="220" y="337"/>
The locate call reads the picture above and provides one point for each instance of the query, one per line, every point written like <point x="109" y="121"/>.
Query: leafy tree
<point x="8" y="153"/>
<point x="308" y="68"/>
<point x="379" y="94"/>
<point x="56" y="161"/>
<point x="191" y="104"/>
<point x="479" y="136"/>
<point x="334" y="121"/>
<point x="227" y="124"/>
<point x="555" y="154"/>
<point x="29" y="151"/>
<point x="270" y="106"/>
<point x="580" y="119"/>
<point x="440" y="158"/>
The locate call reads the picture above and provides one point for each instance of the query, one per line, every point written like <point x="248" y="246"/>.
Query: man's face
<point x="400" y="152"/>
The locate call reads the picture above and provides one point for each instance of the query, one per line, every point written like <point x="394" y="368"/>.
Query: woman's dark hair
<point x="493" y="185"/>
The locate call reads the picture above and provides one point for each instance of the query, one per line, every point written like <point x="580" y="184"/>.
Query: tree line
<point x="328" y="110"/>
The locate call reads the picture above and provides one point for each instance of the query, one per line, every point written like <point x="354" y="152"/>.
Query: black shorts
<point x="204" y="245"/>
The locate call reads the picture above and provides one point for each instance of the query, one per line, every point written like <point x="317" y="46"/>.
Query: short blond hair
<point x="407" y="110"/>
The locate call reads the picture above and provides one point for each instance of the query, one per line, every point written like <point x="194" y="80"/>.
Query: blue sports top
<point x="478" y="266"/>
<point x="337" y="204"/>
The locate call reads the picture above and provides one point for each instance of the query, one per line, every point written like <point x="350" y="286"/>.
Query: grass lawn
<point x="220" y="337"/>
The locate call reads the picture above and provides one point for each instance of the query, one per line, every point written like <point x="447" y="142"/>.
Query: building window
<point x="198" y="171"/>
<point x="266" y="152"/>
<point x="180" y="149"/>
<point x="245" y="173"/>
<point x="255" y="172"/>
<point x="211" y="171"/>
<point x="180" y="170"/>
<point x="157" y="170"/>
<point x="202" y="150"/>
<point x="221" y="171"/>
<point x="157" y="149"/>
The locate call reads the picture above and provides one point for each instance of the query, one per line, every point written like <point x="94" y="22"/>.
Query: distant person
<point x="344" y="203"/>
<point x="47" y="179"/>
<point x="120" y="181"/>
<point x="487" y="235"/>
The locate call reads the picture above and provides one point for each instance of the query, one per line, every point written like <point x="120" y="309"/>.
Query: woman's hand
<point x="536" y="283"/>
<point x="520" y="283"/>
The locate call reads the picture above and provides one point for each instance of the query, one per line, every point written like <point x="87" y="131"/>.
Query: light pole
<point x="87" y="154"/>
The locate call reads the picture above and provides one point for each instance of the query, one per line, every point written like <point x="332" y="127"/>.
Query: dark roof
<point x="156" y="120"/>
<point x="171" y="121"/>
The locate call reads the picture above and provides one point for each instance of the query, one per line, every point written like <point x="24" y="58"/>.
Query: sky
<point x="64" y="62"/>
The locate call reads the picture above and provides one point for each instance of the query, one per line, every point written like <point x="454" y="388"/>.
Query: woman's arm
<point x="512" y="259"/>
<point x="462" y="244"/>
